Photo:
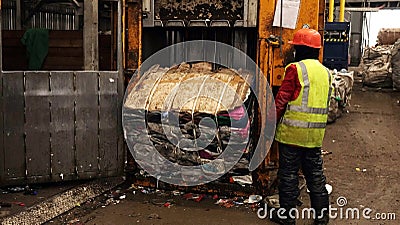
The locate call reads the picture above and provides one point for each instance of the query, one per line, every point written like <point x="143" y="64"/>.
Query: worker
<point x="302" y="111"/>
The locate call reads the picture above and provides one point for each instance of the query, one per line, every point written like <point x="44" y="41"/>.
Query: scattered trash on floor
<point x="16" y="189"/>
<point x="29" y="191"/>
<point x="177" y="192"/>
<point x="135" y="215"/>
<point x="323" y="152"/>
<point x="153" y="216"/>
<point x="122" y="197"/>
<point x="329" y="188"/>
<point x="272" y="201"/>
<point x="253" y="199"/>
<point x="73" y="221"/>
<point x="243" y="180"/>
<point x="194" y="197"/>
<point x="358" y="169"/>
<point x="162" y="202"/>
<point x="19" y="203"/>
<point x="227" y="203"/>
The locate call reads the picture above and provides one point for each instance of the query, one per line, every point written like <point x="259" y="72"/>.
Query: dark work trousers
<point x="291" y="159"/>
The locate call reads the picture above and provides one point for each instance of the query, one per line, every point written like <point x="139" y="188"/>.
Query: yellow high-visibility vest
<point x="305" y="118"/>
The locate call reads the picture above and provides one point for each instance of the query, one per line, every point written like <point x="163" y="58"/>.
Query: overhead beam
<point x="362" y="9"/>
<point x="384" y="4"/>
<point x="372" y="1"/>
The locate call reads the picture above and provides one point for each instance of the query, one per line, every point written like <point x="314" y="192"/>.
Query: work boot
<point x="323" y="221"/>
<point x="275" y="218"/>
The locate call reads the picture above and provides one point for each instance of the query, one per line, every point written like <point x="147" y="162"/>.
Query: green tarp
<point x="37" y="45"/>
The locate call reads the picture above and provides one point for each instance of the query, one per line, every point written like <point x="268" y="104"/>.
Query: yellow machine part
<point x="273" y="57"/>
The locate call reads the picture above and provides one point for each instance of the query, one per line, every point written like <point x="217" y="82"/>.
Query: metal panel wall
<point x="62" y="111"/>
<point x="59" y="126"/>
<point x="13" y="130"/>
<point x="37" y="125"/>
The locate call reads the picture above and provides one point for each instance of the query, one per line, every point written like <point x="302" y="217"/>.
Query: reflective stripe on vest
<point x="302" y="124"/>
<point x="304" y="100"/>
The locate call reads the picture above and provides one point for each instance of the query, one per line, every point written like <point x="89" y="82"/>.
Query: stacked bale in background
<point x="388" y="36"/>
<point x="376" y="67"/>
<point x="381" y="66"/>
<point x="396" y="65"/>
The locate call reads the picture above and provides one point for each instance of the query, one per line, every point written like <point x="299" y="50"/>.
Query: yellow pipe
<point x="341" y="14"/>
<point x="331" y="10"/>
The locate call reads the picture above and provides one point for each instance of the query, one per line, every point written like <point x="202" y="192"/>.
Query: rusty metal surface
<point x="199" y="9"/>
<point x="71" y="124"/>
<point x="272" y="62"/>
<point x="134" y="25"/>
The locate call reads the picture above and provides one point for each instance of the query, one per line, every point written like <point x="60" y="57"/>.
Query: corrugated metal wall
<point x="52" y="17"/>
<point x="9" y="15"/>
<point x="59" y="126"/>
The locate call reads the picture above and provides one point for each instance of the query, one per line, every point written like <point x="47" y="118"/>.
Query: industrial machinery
<point x="254" y="27"/>
<point x="336" y="39"/>
<point x="336" y="45"/>
<point x="110" y="40"/>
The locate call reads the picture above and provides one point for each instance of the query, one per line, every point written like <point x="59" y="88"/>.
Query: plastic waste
<point x="242" y="180"/>
<point x="253" y="199"/>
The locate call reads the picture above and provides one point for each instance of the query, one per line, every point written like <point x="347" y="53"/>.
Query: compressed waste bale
<point x="396" y="65"/>
<point x="340" y="98"/>
<point x="176" y="102"/>
<point x="388" y="36"/>
<point x="376" y="67"/>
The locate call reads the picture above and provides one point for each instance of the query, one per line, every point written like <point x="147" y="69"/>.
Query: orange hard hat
<point x="307" y="37"/>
